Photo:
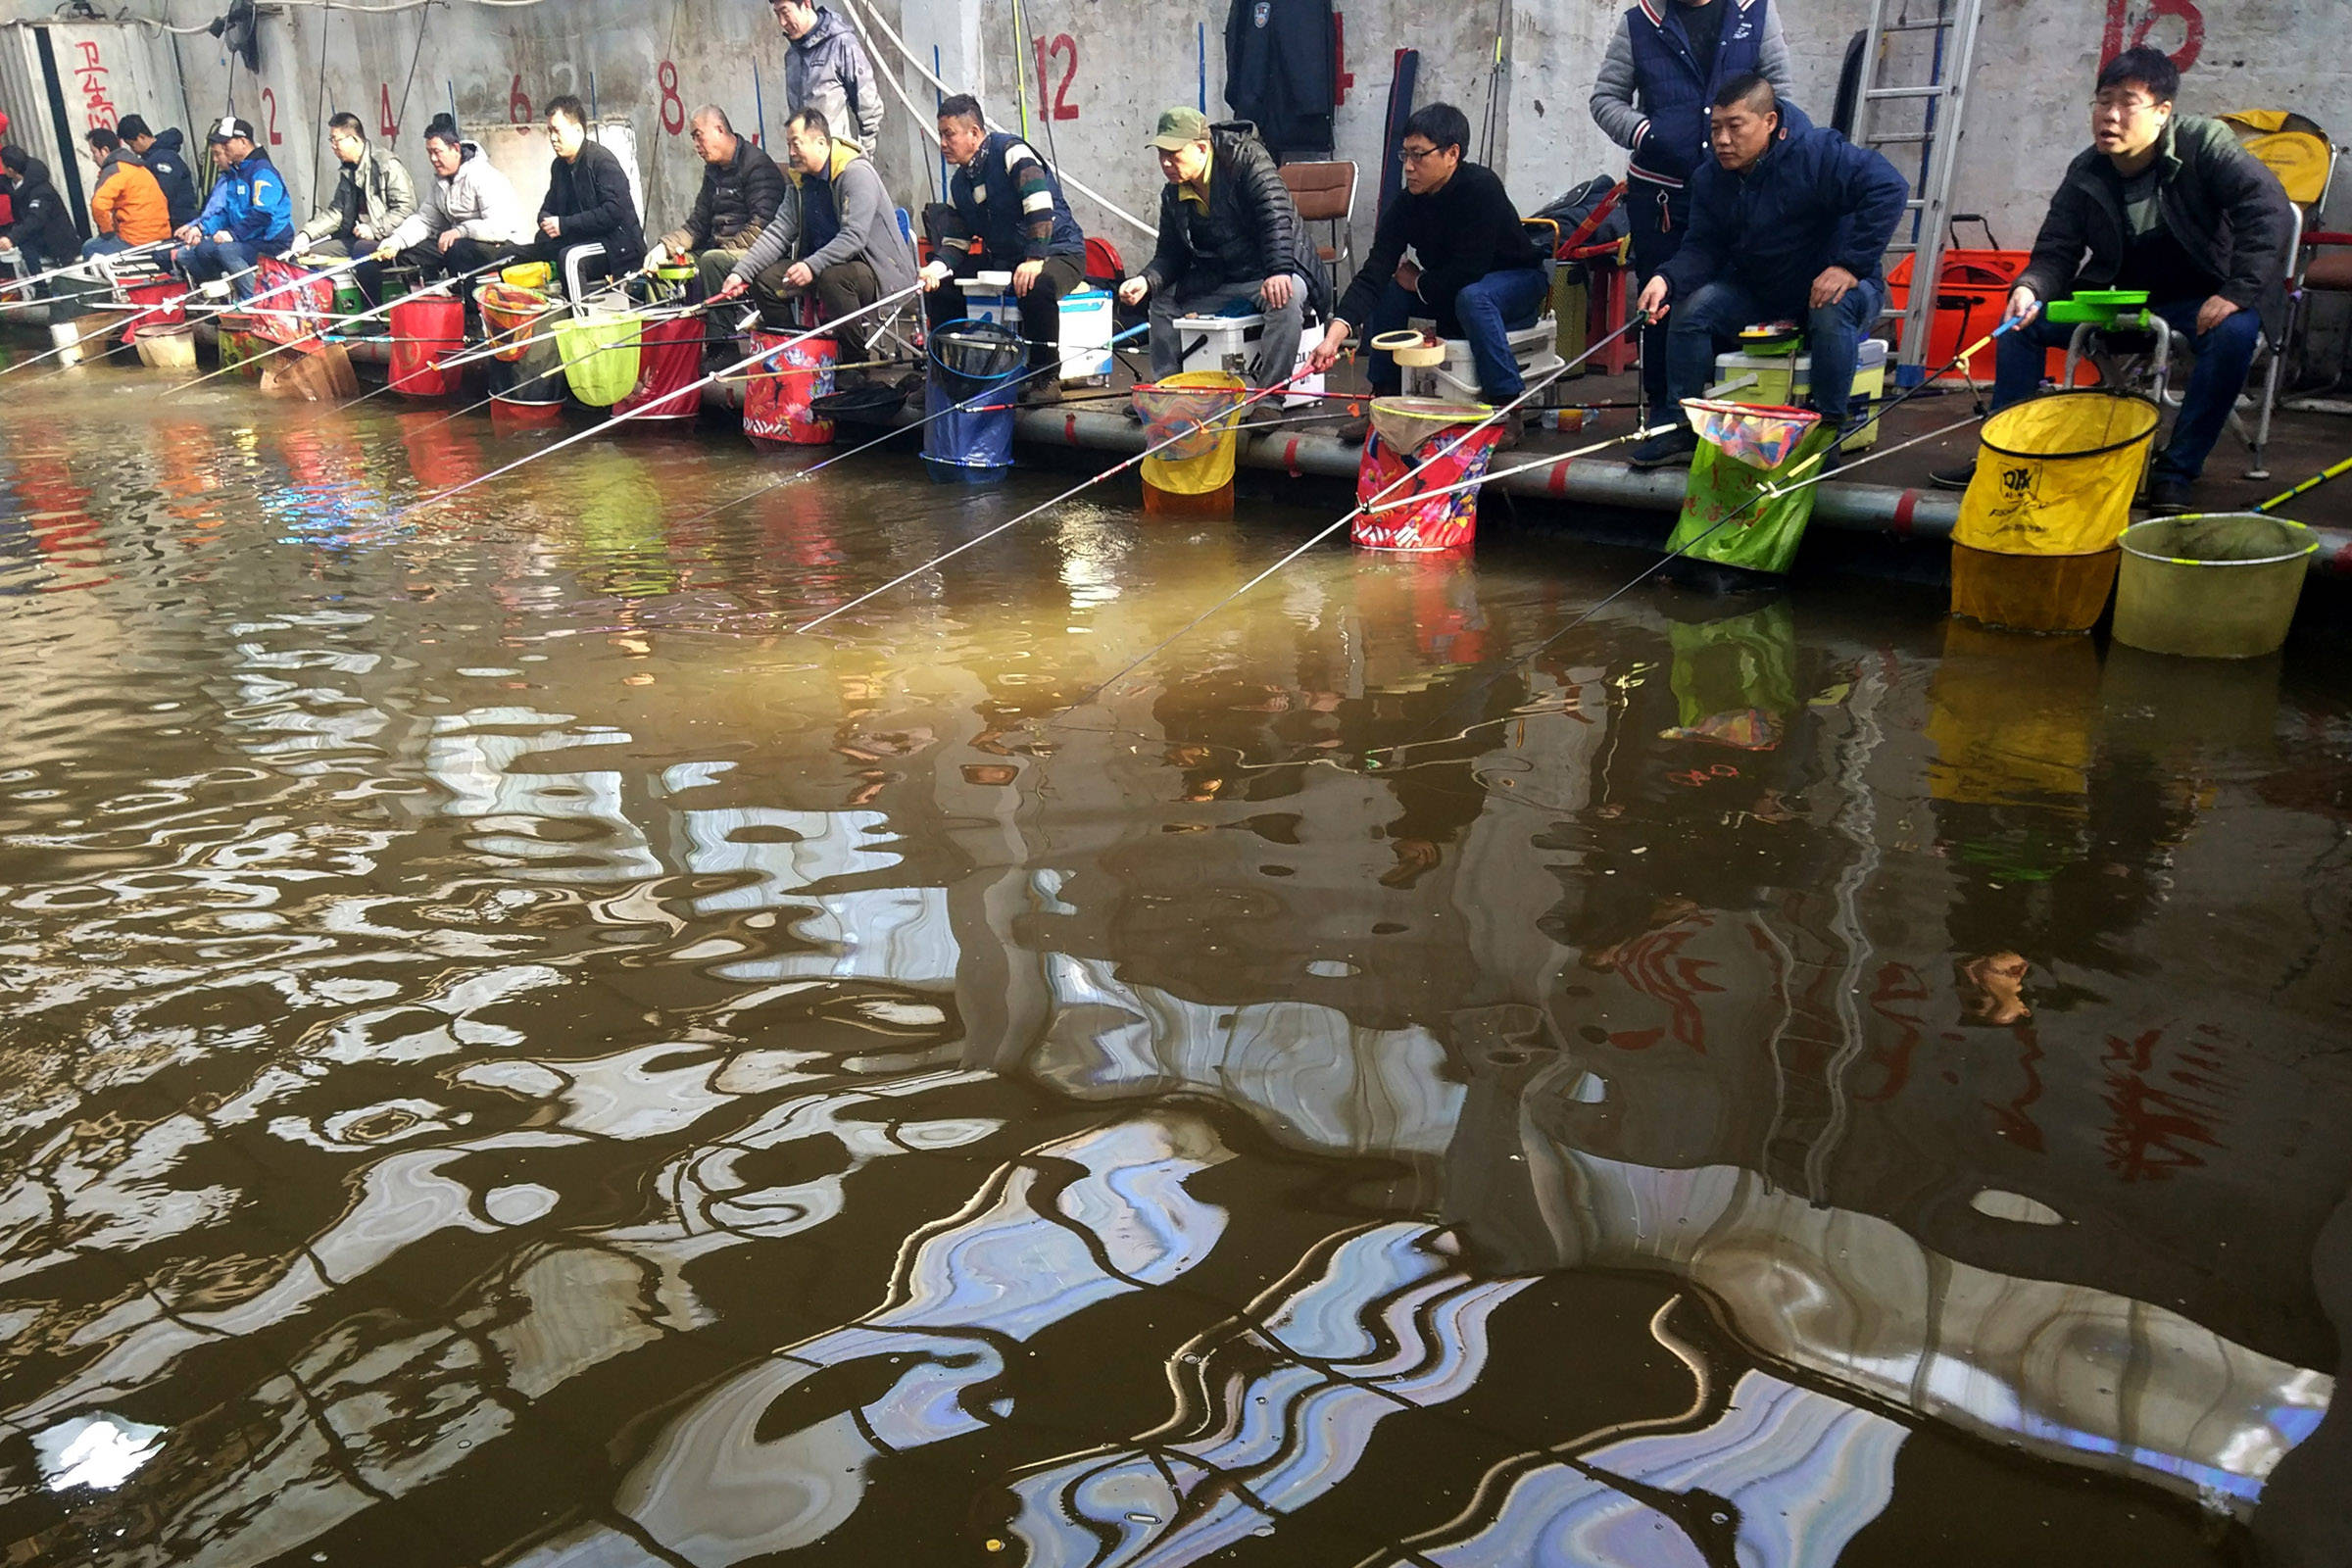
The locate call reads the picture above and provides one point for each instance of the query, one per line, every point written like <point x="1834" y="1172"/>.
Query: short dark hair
<point x="130" y="127"/>
<point x="813" y="119"/>
<point x="1751" y="89"/>
<point x="570" y="107"/>
<point x="963" y="106"/>
<point x="444" y="129"/>
<point x="1441" y="124"/>
<point x="102" y="140"/>
<point x="2143" y="66"/>
<point x="347" y="120"/>
<point x="15" y="160"/>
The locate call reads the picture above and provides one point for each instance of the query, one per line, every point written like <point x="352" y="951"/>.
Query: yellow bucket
<point x="2056" y="474"/>
<point x="528" y="274"/>
<point x="1204" y="404"/>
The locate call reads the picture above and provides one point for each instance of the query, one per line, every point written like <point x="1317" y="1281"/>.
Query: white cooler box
<point x="1230" y="343"/>
<point x="1786" y="379"/>
<point x="1085" y="322"/>
<point x="1536" y="348"/>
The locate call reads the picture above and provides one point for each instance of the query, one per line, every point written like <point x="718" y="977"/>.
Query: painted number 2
<point x="269" y="103"/>
<point x="1055" y="102"/>
<point x="673" y="108"/>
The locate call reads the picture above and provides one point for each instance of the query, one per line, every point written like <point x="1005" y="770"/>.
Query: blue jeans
<point x="2223" y="357"/>
<point x="209" y="259"/>
<point x="1484" y="314"/>
<point x="1710" y="322"/>
<point x="104" y="245"/>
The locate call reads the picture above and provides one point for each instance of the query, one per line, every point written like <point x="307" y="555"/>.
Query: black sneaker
<point x="1665" y="449"/>
<point x="2168" y="497"/>
<point x="1956" y="478"/>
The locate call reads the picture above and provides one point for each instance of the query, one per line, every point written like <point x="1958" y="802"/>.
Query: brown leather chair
<point x="1326" y="194"/>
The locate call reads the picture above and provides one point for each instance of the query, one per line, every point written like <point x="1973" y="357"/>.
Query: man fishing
<point x="471" y="219"/>
<point x="373" y="197"/>
<point x="1230" y="238"/>
<point x="2174" y="205"/>
<point x="588" y="201"/>
<point x="1480" y="276"/>
<point x="167" y="160"/>
<point x="846" y="247"/>
<point x="741" y="191"/>
<point x="41" y="229"/>
<point x="1005" y="198"/>
<point x="127" y="206"/>
<point x="249" y="215"/>
<point x="1787" y="221"/>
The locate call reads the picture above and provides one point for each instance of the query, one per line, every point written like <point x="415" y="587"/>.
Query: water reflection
<point x="512" y="1044"/>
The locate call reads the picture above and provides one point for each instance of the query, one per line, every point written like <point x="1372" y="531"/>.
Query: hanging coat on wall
<point x="1281" y="71"/>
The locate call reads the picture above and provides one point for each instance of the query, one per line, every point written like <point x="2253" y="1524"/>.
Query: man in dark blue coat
<point x="1788" y="222"/>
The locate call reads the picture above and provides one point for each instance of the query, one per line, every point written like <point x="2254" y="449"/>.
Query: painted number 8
<point x="673" y="108"/>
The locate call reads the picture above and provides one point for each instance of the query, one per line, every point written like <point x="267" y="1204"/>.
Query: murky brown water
<point x="516" y="1056"/>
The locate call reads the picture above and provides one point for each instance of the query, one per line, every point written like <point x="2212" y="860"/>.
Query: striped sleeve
<point x="1035" y="189"/>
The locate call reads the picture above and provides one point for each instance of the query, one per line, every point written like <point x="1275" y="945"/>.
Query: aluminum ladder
<point x="1947" y="50"/>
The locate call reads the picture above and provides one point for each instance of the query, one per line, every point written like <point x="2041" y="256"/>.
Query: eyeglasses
<point x="2123" y="108"/>
<point x="1414" y="155"/>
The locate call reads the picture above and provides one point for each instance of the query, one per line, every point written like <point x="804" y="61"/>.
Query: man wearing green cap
<point x="1230" y="243"/>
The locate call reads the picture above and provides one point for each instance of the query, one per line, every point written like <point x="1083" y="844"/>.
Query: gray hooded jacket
<point x="869" y="226"/>
<point x="827" y="70"/>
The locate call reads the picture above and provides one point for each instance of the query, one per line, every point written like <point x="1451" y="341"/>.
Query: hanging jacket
<point x="1813" y="201"/>
<point x="126" y="203"/>
<point x="1008" y="198"/>
<point x="2223" y="205"/>
<point x="827" y="70"/>
<point x="591" y="196"/>
<point x="169" y="166"/>
<point x="738" y="199"/>
<point x="1652" y="99"/>
<point x="476" y="201"/>
<point x="1249" y="231"/>
<point x="42" y="223"/>
<point x="251" y="204"/>
<point x="1281" y="72"/>
<point x="866" y="226"/>
<point x="375" y="192"/>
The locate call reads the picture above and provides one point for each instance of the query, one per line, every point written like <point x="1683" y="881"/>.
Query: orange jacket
<point x="129" y="204"/>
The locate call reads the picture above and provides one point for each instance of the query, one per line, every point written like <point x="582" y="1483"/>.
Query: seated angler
<point x="1479" y="277"/>
<point x="742" y="189"/>
<point x="249" y="215"/>
<point x="41" y="228"/>
<point x="1008" y="199"/>
<point x="471" y="219"/>
<point x="373" y="197"/>
<point x="1788" y="221"/>
<point x="2174" y="205"/>
<point x="847" y="242"/>
<point x="1229" y="237"/>
<point x="588" y="201"/>
<point x="127" y="207"/>
<point x="167" y="160"/>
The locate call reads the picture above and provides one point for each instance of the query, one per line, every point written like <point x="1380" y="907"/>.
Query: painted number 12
<point x="1051" y="101"/>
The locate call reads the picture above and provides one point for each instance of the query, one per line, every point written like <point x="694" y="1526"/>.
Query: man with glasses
<point x="2174" y="205"/>
<point x="373" y="197"/>
<point x="1478" y="275"/>
<point x="742" y="192"/>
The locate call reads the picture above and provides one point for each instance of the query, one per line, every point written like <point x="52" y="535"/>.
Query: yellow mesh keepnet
<point x="599" y="357"/>
<point x="2056" y="474"/>
<point x="1203" y="403"/>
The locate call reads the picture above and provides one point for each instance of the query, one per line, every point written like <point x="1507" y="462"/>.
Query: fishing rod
<point x="491" y="346"/>
<point x="582" y="359"/>
<point x="16" y="286"/>
<point x="321" y="331"/>
<point x="694" y="386"/>
<point x="2336" y="470"/>
<point x="1194" y="428"/>
<point x="63" y="348"/>
<point x="1633" y="322"/>
<point x="246" y="305"/>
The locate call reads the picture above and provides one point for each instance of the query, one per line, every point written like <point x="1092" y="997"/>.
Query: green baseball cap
<point x="1180" y="127"/>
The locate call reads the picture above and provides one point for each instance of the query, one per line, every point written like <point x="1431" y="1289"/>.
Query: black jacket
<point x="169" y="163"/>
<point x="1461" y="234"/>
<point x="591" y="195"/>
<point x="1250" y="231"/>
<point x="1281" y="64"/>
<point x="42" y="224"/>
<point x="2226" y="209"/>
<point x="738" y="199"/>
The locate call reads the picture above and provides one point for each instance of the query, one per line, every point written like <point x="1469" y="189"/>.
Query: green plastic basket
<point x="600" y="356"/>
<point x="2100" y="307"/>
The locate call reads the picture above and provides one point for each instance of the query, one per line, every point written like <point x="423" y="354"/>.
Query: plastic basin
<point x="2211" y="585"/>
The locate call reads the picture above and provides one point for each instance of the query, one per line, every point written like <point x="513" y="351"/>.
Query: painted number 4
<point x="1055" y="102"/>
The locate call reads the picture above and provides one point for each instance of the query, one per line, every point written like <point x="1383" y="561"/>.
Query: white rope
<point x="931" y="131"/>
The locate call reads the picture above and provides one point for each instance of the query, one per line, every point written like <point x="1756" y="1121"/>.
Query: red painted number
<point x="2129" y="22"/>
<point x="1055" y="102"/>
<point x="673" y="108"/>
<point x="1340" y="78"/>
<point x="519" y="106"/>
<point x="269" y="103"/>
<point x="384" y="122"/>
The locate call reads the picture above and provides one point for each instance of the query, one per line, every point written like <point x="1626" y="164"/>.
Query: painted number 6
<point x="519" y="106"/>
<point x="673" y="108"/>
